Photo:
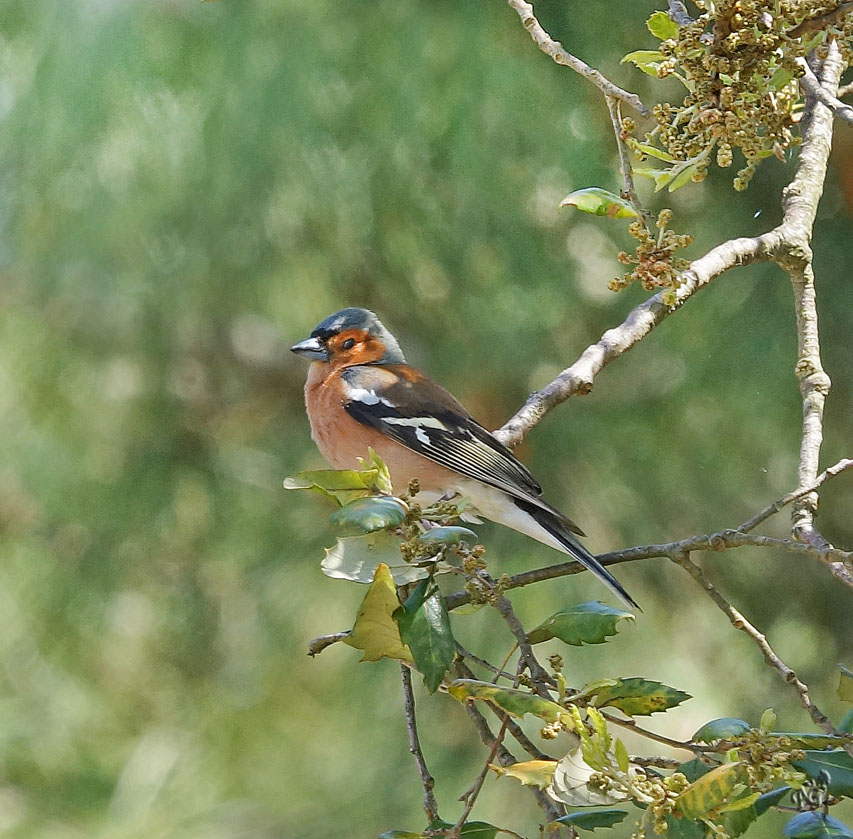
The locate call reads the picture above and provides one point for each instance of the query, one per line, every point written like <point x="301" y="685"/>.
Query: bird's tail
<point x="553" y="524"/>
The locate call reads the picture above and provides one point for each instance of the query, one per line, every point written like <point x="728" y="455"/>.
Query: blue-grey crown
<point x="355" y="318"/>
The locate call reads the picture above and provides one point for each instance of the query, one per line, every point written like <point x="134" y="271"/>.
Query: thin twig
<point x="651" y="735"/>
<point x="427" y="781"/>
<point x="498" y="672"/>
<point x="470" y="797"/>
<point x="837" y="561"/>
<point x="552" y="809"/>
<point x="555" y="50"/>
<point x="738" y="621"/>
<point x="811" y="85"/>
<point x="628" y="191"/>
<point x="318" y="644"/>
<point x="517" y="732"/>
<point x="538" y="673"/>
<point x="822" y="20"/>
<point x="776" y="506"/>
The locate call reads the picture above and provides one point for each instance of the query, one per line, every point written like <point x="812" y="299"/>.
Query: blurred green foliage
<point x="186" y="190"/>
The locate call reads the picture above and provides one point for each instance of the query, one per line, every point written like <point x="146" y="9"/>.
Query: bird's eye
<point x="348" y="344"/>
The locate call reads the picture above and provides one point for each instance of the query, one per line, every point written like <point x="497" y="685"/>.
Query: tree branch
<point x="628" y="190"/>
<point x="738" y="621"/>
<point x="811" y="85"/>
<point x="427" y="781"/>
<point x="579" y="377"/>
<point x="555" y="50"/>
<point x="799" y="202"/>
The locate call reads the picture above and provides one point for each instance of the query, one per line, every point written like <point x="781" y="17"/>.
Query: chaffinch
<point x="361" y="392"/>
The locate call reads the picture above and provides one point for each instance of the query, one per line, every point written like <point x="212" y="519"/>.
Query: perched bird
<point x="361" y="392"/>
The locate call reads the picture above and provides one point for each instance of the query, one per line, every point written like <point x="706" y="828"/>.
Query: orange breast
<point x="342" y="439"/>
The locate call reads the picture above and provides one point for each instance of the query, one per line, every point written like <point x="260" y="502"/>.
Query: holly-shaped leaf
<point x="662" y="26"/>
<point x="590" y="821"/>
<point x="585" y="623"/>
<point x="814" y="825"/>
<point x="599" y="202"/>
<point x="375" y="631"/>
<point x="425" y="629"/>
<point x="723" y="728"/>
<point x="531" y="773"/>
<point x="709" y="792"/>
<point x="837" y="764"/>
<point x="634" y="696"/>
<point x="356" y="558"/>
<point x="516" y="703"/>
<point x="375" y="512"/>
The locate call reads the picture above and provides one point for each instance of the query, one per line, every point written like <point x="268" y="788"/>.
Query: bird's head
<point x="351" y="336"/>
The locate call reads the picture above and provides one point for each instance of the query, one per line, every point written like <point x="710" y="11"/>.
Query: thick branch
<point x="738" y="621"/>
<point x="800" y="201"/>
<point x="555" y="49"/>
<point x="427" y="781"/>
<point x="579" y="377"/>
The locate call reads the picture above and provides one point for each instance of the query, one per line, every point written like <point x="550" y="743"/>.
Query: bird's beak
<point x="312" y="349"/>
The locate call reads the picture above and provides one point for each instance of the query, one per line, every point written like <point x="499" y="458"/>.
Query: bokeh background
<point x="185" y="190"/>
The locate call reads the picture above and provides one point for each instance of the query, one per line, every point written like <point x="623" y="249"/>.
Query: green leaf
<point x="531" y="773"/>
<point x="768" y="720"/>
<point x="621" y="754"/>
<point x="376" y="512"/>
<point x="694" y="769"/>
<point x="810" y="740"/>
<point x="845" y="684"/>
<point x="470" y="830"/>
<point x="646" y="60"/>
<point x="590" y="821"/>
<point x="375" y="631"/>
<point x="723" y="728"/>
<point x="650" y="151"/>
<point x="680" y="828"/>
<point x="662" y="26"/>
<point x="449" y="535"/>
<point x="570" y="784"/>
<point x="846" y="725"/>
<point x="375" y="466"/>
<point x="816" y="826"/>
<point x="634" y="696"/>
<point x="585" y="623"/>
<point x="708" y="792"/>
<point x="780" y="78"/>
<point x="599" y="202"/>
<point x="425" y="629"/>
<point x="517" y="703"/>
<point x="341" y="485"/>
<point x="770" y="799"/>
<point x="837" y="764"/>
<point x="661" y="177"/>
<point x="356" y="558"/>
<point x="682" y="175"/>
